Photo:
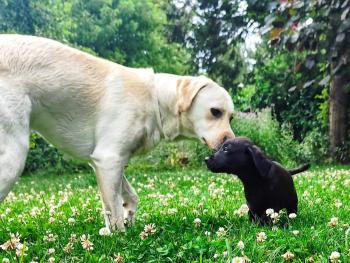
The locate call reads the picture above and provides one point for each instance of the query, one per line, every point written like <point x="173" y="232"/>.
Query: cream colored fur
<point x="98" y="111"/>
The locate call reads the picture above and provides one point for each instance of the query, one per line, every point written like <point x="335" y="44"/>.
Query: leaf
<point x="265" y="29"/>
<point x="344" y="14"/>
<point x="292" y="89"/>
<point x="340" y="37"/>
<point x="310" y="62"/>
<point x="275" y="33"/>
<point x="344" y="26"/>
<point x="163" y="250"/>
<point x="308" y="84"/>
<point x="325" y="81"/>
<point x="294" y="37"/>
<point x="269" y="19"/>
<point x="292" y="12"/>
<point x="298" y="4"/>
<point x="345" y="3"/>
<point x="272" y="6"/>
<point x="322" y="37"/>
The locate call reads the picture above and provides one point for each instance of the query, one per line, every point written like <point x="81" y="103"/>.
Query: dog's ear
<point x="186" y="90"/>
<point x="261" y="162"/>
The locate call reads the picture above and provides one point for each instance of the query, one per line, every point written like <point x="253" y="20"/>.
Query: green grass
<point x="176" y="239"/>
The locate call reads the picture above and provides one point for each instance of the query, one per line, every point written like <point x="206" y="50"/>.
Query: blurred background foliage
<point x="285" y="63"/>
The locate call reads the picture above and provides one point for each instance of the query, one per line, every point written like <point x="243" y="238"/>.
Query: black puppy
<point x="266" y="183"/>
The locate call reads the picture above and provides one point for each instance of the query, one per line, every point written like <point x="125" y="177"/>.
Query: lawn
<point x="196" y="217"/>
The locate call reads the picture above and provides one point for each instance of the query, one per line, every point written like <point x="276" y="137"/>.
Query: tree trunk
<point x="338" y="104"/>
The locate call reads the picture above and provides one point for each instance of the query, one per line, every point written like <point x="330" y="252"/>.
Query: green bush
<point x="45" y="156"/>
<point x="274" y="139"/>
<point x="315" y="146"/>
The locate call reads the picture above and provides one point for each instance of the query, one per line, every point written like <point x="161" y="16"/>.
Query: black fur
<point x="266" y="183"/>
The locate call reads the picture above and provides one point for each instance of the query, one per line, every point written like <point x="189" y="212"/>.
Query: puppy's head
<point x="236" y="156"/>
<point x="266" y="184"/>
<point x="205" y="110"/>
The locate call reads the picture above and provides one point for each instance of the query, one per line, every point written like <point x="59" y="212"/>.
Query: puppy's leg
<point x="109" y="171"/>
<point x="14" y="138"/>
<point x="130" y="201"/>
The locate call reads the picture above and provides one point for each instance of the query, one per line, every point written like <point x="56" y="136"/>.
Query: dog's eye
<point x="225" y="148"/>
<point x="216" y="112"/>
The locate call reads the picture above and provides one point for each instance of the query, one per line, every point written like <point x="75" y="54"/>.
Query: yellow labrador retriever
<point x="100" y="112"/>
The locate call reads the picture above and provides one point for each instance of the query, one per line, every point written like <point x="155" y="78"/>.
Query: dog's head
<point x="205" y="110"/>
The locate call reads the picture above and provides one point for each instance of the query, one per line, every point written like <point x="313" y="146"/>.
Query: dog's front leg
<point x="109" y="171"/>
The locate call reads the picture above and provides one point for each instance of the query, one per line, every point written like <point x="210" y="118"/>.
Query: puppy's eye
<point x="216" y="112"/>
<point x="225" y="148"/>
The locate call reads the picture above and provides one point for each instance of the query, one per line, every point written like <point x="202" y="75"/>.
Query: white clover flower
<point x="21" y="249"/>
<point x="34" y="212"/>
<point x="104" y="231"/>
<point x="172" y="211"/>
<point x="51" y="260"/>
<point x="68" y="248"/>
<point x="275" y="216"/>
<point x="51" y="251"/>
<point x="149" y="230"/>
<point x="288" y="255"/>
<point x="118" y="258"/>
<point x="12" y="243"/>
<point x="238" y="260"/>
<point x="334" y="221"/>
<point x="338" y="203"/>
<point x="197" y="222"/>
<point x="243" y="210"/>
<point x="221" y="232"/>
<point x="292" y="215"/>
<point x="5" y="260"/>
<point x="240" y="245"/>
<point x="52" y="220"/>
<point x="71" y="221"/>
<point x="335" y="255"/>
<point x="269" y="211"/>
<point x="207" y="233"/>
<point x="261" y="237"/>
<point x="295" y="232"/>
<point x="86" y="243"/>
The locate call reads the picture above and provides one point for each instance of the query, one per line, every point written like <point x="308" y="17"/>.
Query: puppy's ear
<point x="261" y="162"/>
<point x="186" y="90"/>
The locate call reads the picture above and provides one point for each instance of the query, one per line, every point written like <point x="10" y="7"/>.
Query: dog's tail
<point x="299" y="169"/>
